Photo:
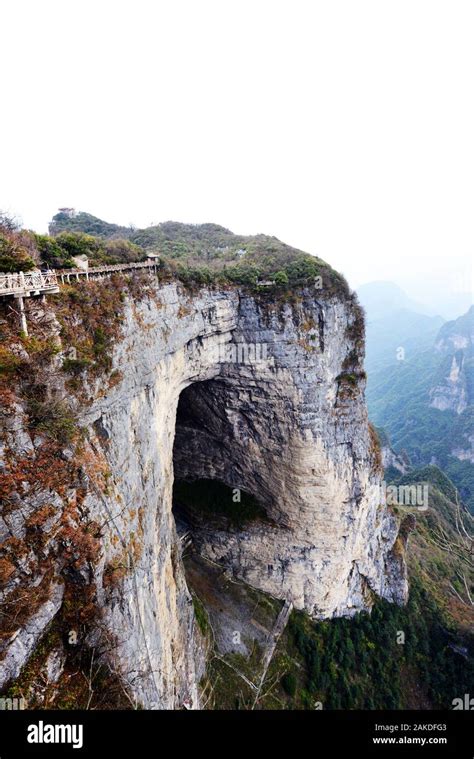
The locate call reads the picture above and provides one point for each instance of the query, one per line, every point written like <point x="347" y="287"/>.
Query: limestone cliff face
<point x="453" y="388"/>
<point x="283" y="418"/>
<point x="392" y="460"/>
<point x="293" y="431"/>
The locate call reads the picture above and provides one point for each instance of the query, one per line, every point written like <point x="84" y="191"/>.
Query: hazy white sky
<point x="343" y="127"/>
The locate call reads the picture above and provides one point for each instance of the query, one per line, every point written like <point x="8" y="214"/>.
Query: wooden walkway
<point x="29" y="283"/>
<point x="26" y="284"/>
<point x="43" y="282"/>
<point x="98" y="272"/>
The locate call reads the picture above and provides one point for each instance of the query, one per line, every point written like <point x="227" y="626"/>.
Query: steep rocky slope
<point x="90" y="441"/>
<point x="454" y="386"/>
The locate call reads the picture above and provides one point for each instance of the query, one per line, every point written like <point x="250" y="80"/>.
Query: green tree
<point x="288" y="682"/>
<point x="281" y="278"/>
<point x="52" y="254"/>
<point x="14" y="253"/>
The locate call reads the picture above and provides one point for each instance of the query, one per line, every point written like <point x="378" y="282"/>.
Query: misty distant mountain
<point x="400" y="333"/>
<point x="381" y="299"/>
<point x="394" y="323"/>
<point x="426" y="402"/>
<point x="452" y="304"/>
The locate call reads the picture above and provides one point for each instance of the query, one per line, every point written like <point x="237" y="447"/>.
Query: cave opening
<point x="207" y="491"/>
<point x="215" y="508"/>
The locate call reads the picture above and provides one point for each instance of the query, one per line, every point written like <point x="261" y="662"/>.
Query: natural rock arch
<point x="286" y="429"/>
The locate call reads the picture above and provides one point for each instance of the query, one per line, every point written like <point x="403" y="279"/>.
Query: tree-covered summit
<point x="206" y="252"/>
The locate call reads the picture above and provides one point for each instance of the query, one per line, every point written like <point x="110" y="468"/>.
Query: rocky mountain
<point x="425" y="403"/>
<point x="454" y="388"/>
<point x="128" y="382"/>
<point x="394" y="464"/>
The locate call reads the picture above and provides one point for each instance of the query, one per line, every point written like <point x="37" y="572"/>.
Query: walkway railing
<point x="98" y="271"/>
<point x="23" y="284"/>
<point x="37" y="282"/>
<point x="28" y="283"/>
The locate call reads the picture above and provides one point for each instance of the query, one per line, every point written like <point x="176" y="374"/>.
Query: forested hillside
<point x="425" y="402"/>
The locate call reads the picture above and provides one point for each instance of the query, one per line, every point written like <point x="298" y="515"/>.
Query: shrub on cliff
<point x="78" y="244"/>
<point x="121" y="251"/>
<point x="14" y="256"/>
<point x="17" y="248"/>
<point x="58" y="252"/>
<point x="53" y="418"/>
<point x="244" y="274"/>
<point x="281" y="278"/>
<point x="52" y="254"/>
<point x="289" y="684"/>
<point x="302" y="269"/>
